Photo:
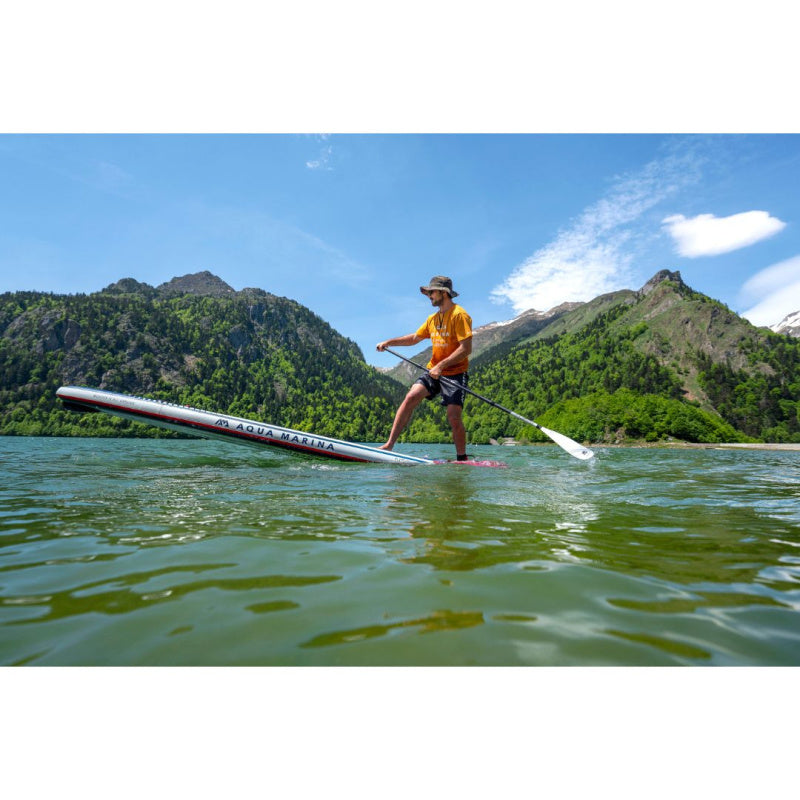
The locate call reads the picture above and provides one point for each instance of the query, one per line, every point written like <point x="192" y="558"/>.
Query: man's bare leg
<point x="416" y="394"/>
<point x="459" y="431"/>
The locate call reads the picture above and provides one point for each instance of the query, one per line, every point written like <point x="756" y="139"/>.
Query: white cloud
<point x="772" y="294"/>
<point x="324" y="158"/>
<point x="707" y="235"/>
<point x="594" y="255"/>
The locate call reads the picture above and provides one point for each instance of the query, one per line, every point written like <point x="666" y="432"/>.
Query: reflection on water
<point x="147" y="552"/>
<point x="138" y="590"/>
<point x="437" y="621"/>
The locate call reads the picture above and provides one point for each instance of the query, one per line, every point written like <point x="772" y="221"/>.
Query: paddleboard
<point x="210" y="425"/>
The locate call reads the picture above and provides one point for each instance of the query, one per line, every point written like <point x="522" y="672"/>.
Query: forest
<point x="665" y="364"/>
<point x="251" y="355"/>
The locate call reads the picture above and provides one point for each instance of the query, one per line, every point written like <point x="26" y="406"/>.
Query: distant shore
<point x="736" y="445"/>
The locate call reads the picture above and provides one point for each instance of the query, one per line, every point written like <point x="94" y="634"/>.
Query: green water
<point x="126" y="552"/>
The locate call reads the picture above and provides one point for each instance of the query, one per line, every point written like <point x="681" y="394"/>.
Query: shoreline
<point x="791" y="446"/>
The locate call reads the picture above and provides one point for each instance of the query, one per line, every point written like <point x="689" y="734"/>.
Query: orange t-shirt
<point x="446" y="331"/>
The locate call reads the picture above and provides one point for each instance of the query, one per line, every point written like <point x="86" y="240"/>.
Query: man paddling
<point x="450" y="332"/>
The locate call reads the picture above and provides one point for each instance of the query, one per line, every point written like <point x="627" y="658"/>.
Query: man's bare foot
<point x="386" y="446"/>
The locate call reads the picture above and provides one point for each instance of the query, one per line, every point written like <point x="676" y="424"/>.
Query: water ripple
<point x="154" y="552"/>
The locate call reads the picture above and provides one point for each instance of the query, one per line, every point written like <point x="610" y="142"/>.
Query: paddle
<point x="573" y="448"/>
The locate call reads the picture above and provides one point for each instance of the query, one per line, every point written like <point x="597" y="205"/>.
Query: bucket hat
<point x="439" y="283"/>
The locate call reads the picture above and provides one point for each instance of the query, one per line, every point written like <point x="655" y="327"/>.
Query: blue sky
<point x="351" y="225"/>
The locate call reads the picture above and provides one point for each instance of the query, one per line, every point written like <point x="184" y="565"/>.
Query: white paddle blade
<point x="564" y="442"/>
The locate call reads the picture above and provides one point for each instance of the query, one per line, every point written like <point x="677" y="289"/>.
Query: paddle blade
<point x="573" y="448"/>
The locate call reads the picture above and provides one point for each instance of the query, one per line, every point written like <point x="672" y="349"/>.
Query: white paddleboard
<point x="210" y="425"/>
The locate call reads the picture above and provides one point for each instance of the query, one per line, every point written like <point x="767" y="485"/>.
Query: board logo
<point x="306" y="441"/>
<point x="268" y="433"/>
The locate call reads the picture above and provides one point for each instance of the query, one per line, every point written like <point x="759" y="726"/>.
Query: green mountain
<point x="194" y="341"/>
<point x="662" y="362"/>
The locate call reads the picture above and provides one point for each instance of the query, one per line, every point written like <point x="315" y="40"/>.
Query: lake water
<point x="154" y="552"/>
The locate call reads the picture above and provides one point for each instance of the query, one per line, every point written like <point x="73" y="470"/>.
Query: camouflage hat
<point x="439" y="283"/>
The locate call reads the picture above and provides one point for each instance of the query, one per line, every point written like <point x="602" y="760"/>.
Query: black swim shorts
<point x="451" y="389"/>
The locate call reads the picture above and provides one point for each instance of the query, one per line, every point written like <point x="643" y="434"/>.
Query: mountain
<point x="192" y="340"/>
<point x="789" y="325"/>
<point x="661" y="362"/>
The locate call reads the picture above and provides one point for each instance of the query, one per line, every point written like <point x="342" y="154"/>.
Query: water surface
<point x="153" y="552"/>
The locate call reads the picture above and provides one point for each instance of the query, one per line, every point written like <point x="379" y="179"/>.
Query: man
<point x="450" y="332"/>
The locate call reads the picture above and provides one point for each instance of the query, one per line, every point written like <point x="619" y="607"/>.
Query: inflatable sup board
<point x="209" y="425"/>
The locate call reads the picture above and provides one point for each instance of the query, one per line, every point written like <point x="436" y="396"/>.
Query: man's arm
<point x="400" y="341"/>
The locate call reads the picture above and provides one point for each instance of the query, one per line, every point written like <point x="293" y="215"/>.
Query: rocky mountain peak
<point x="198" y="283"/>
<point x="129" y="286"/>
<point x="789" y="325"/>
<point x="660" y="277"/>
